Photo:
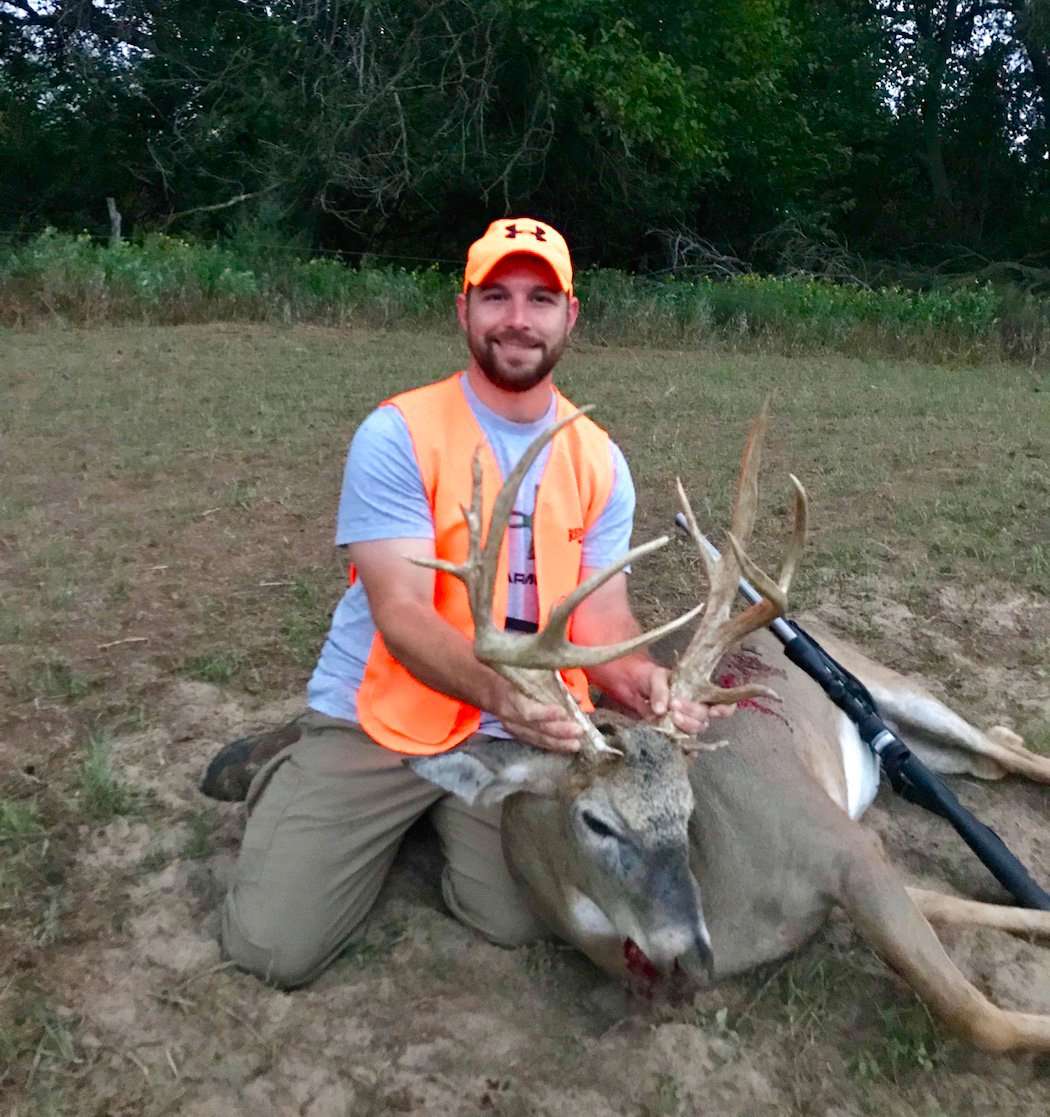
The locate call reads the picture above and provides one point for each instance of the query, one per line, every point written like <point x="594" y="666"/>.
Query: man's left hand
<point x="645" y="688"/>
<point x="634" y="681"/>
<point x="689" y="717"/>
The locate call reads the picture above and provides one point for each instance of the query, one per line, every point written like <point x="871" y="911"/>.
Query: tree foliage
<point x="899" y="127"/>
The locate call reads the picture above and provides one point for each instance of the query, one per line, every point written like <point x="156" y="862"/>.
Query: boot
<point x="232" y="770"/>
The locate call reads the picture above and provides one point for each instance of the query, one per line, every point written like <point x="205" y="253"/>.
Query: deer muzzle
<point x="673" y="936"/>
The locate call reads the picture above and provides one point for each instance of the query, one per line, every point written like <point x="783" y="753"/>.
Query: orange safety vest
<point x="393" y="707"/>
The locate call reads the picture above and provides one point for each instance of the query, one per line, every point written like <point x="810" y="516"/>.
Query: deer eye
<point x="596" y="826"/>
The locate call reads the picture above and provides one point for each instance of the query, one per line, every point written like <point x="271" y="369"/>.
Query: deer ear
<point x="485" y="772"/>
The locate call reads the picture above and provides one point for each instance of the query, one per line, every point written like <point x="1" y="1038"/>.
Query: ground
<point x="166" y="576"/>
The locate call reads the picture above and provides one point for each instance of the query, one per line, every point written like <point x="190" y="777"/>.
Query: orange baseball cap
<point x="512" y="235"/>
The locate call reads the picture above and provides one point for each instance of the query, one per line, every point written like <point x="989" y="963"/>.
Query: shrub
<point x="169" y="279"/>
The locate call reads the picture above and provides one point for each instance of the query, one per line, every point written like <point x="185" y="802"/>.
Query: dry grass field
<point x="166" y="513"/>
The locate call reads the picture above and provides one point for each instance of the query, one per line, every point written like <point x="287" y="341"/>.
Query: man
<point x="397" y="673"/>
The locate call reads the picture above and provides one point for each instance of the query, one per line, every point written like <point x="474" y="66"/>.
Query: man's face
<point x="517" y="322"/>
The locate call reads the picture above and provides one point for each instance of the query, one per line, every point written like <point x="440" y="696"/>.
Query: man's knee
<point x="278" y="950"/>
<point x="501" y="915"/>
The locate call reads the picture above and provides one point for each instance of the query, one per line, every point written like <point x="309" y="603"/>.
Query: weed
<point x="304" y="635"/>
<point x="119" y="590"/>
<point x="200" y="830"/>
<point x="39" y="1040"/>
<point x="12" y="625"/>
<point x="540" y="959"/>
<point x="104" y="796"/>
<point x="908" y="1044"/>
<point x="129" y="717"/>
<point x="305" y="624"/>
<point x="33" y="897"/>
<point x="57" y="679"/>
<point x="217" y="667"/>
<point x="718" y="1022"/>
<point x="155" y="859"/>
<point x="22" y="847"/>
<point x="48" y="929"/>
<point x="241" y="495"/>
<point x="665" y="1099"/>
<point x="1037" y="737"/>
<point x="805" y="987"/>
<point x="374" y="946"/>
<point x="18" y="820"/>
<point x="165" y="279"/>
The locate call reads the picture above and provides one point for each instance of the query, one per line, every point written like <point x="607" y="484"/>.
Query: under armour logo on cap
<point x="540" y="233"/>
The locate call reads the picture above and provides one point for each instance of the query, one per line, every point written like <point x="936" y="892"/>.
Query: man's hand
<point x="401" y="599"/>
<point x="635" y="681"/>
<point x="689" y="717"/>
<point x="545" y="726"/>
<point x="645" y="688"/>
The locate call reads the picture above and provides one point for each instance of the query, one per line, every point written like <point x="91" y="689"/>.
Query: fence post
<point x="114" y="223"/>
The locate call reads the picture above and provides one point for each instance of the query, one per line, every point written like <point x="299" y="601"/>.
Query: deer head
<point x="601" y="839"/>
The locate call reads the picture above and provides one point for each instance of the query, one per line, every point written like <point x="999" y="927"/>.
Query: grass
<point x="217" y="667"/>
<point x="22" y="837"/>
<point x="39" y="1042"/>
<point x="1037" y="736"/>
<point x="103" y="794"/>
<point x="200" y="830"/>
<point x="909" y="1043"/>
<point x="209" y="460"/>
<point x="664" y="1098"/>
<point x="305" y="620"/>
<point x="18" y="821"/>
<point x="54" y="678"/>
<point x="373" y="947"/>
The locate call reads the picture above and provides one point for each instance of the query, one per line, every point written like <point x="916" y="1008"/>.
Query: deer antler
<point x="532" y="662"/>
<point x="719" y="630"/>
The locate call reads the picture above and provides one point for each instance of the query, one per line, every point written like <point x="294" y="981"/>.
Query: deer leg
<point x="887" y="917"/>
<point x="939" y="908"/>
<point x="943" y="740"/>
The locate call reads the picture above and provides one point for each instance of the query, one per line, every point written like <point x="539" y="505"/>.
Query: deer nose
<point x="698" y="962"/>
<point x="707" y="957"/>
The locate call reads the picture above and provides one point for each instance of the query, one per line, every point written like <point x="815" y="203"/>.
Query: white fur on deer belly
<point x="861" y="767"/>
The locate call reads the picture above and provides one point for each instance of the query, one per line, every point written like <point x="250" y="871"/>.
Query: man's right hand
<point x="536" y="723"/>
<point x="401" y="598"/>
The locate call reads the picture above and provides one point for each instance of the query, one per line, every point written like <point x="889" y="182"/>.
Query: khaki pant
<point x="326" y="817"/>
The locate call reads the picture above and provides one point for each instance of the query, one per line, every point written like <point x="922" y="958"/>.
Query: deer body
<point x="656" y="856"/>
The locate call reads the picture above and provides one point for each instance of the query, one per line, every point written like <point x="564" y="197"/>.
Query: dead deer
<point x="656" y="855"/>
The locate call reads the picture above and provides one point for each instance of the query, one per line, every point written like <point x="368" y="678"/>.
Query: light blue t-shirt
<point x="383" y="498"/>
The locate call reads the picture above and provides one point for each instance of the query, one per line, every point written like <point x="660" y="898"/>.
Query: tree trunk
<point x="1033" y="33"/>
<point x="114" y="223"/>
<point x="936" y="45"/>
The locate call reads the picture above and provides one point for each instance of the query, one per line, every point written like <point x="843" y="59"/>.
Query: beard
<point x="511" y="377"/>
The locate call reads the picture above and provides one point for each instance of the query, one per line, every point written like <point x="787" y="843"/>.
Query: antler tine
<point x="778" y="590"/>
<point x="719" y="630"/>
<point x="745" y="505"/>
<point x="551" y="648"/>
<point x="504" y="504"/>
<point x="478" y="573"/>
<point x="724" y="574"/>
